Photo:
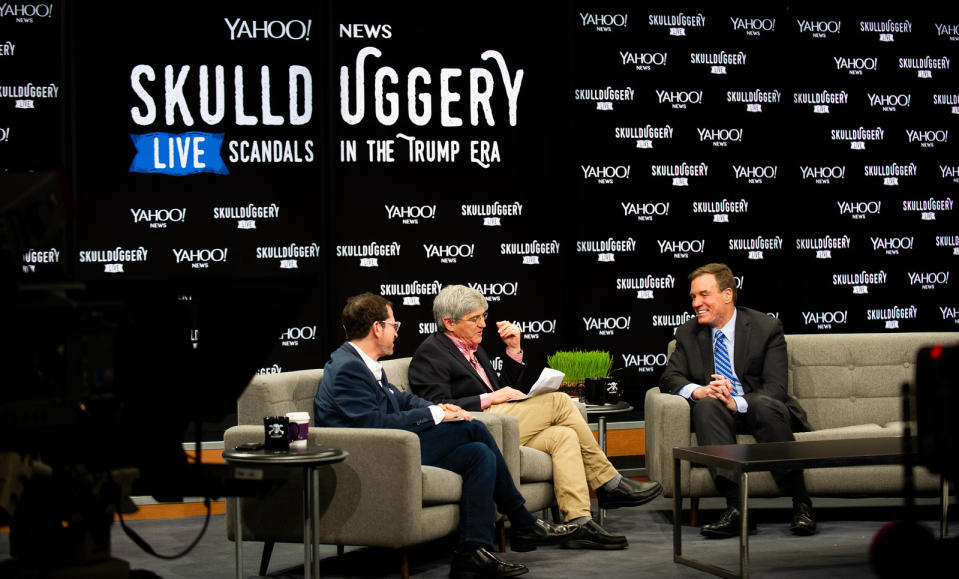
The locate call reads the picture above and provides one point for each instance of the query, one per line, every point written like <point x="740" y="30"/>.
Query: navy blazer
<point x="439" y="372"/>
<point x="759" y="359"/>
<point x="349" y="395"/>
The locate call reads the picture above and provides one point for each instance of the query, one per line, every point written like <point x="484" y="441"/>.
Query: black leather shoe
<point x="628" y="493"/>
<point x="591" y="536"/>
<point x="541" y="533"/>
<point x="482" y="563"/>
<point x="727" y="526"/>
<point x="804" y="522"/>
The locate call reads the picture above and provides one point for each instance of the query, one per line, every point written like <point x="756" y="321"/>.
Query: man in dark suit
<point x="450" y="366"/>
<point x="355" y="392"/>
<point x="730" y="363"/>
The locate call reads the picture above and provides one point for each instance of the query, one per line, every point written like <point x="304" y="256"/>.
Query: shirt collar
<point x="729" y="330"/>
<point x="375" y="367"/>
<point x="465" y="347"/>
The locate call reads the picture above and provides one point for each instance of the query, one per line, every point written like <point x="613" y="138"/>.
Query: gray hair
<point x="454" y="302"/>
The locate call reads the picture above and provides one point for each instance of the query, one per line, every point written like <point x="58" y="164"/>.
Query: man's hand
<point x="504" y="394"/>
<point x="722" y="385"/>
<point x="452" y="411"/>
<point x="720" y="389"/>
<point x="510" y="334"/>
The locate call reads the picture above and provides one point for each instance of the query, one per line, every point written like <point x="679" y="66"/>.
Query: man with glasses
<point x="355" y="392"/>
<point x="450" y="366"/>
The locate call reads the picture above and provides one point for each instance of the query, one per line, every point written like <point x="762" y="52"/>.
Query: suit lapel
<point x="382" y="392"/>
<point x="484" y="361"/>
<point x="705" y="338"/>
<point x="743" y="329"/>
<point x="461" y="359"/>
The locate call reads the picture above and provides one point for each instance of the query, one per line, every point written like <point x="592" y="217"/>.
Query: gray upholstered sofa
<point x="850" y="386"/>
<point x="382" y="496"/>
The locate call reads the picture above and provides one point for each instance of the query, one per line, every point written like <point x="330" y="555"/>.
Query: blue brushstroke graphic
<point x="192" y="152"/>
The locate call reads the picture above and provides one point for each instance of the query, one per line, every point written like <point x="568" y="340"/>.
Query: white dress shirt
<point x="377" y="370"/>
<point x="729" y="330"/>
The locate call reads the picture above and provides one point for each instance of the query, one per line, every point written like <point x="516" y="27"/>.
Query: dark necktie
<point x="390" y="402"/>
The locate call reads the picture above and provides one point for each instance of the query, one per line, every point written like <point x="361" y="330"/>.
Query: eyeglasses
<point x="475" y="319"/>
<point x="396" y="325"/>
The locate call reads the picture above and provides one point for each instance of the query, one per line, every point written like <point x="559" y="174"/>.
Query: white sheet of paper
<point x="549" y="381"/>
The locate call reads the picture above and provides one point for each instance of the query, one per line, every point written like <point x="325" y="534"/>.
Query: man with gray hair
<point x="356" y="393"/>
<point x="450" y="366"/>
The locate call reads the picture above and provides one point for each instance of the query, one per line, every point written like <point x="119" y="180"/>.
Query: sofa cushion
<point x="441" y="486"/>
<point x="848" y="379"/>
<point x="536" y="465"/>
<point x="857" y="431"/>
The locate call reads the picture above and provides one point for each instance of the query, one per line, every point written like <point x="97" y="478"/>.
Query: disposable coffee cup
<point x="299" y="428"/>
<point x="276" y="431"/>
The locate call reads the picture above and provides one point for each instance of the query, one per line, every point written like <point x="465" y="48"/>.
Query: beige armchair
<point x="380" y="495"/>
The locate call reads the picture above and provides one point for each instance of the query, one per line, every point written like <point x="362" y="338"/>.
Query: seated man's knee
<point x="561" y="400"/>
<point x="482" y="454"/>
<point x="766" y="407"/>
<point x="556" y="438"/>
<point x="565" y="435"/>
<point x="560" y="397"/>
<point x="469" y="457"/>
<point x="707" y="406"/>
<point x="563" y="406"/>
<point x="477" y="428"/>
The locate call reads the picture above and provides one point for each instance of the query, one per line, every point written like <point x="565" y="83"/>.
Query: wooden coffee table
<point x="747" y="458"/>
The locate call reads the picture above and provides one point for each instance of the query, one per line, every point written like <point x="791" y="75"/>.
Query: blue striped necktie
<point x="723" y="365"/>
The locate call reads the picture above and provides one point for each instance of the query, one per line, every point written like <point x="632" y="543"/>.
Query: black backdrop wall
<point x="572" y="161"/>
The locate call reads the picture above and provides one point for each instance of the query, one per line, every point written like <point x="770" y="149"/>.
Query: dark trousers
<point x="468" y="449"/>
<point x="767" y="419"/>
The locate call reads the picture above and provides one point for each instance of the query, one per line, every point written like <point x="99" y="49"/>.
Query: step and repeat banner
<point x="812" y="150"/>
<point x="573" y="162"/>
<point x="32" y="96"/>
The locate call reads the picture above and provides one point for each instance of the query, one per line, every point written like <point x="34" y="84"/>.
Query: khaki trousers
<point x="552" y="423"/>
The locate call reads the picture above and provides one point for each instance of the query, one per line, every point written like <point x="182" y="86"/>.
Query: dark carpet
<point x="840" y="549"/>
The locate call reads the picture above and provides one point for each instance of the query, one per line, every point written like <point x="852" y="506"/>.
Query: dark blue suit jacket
<point x="349" y="395"/>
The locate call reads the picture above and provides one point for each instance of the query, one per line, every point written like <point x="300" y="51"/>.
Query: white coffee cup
<point x="299" y="428"/>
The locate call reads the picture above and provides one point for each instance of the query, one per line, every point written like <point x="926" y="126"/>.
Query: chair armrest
<point x="667" y="427"/>
<point x="381" y="479"/>
<point x="582" y="410"/>
<point x="493" y="424"/>
<point x="505" y="430"/>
